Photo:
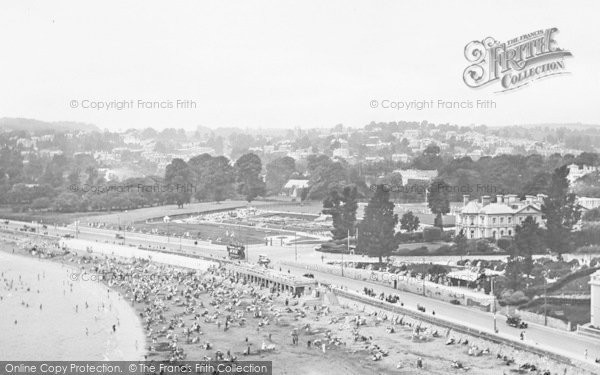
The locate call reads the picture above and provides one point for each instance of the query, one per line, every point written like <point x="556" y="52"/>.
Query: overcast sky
<point x="283" y="63"/>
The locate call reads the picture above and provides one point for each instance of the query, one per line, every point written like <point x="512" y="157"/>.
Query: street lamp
<point x="494" y="302"/>
<point x="545" y="300"/>
<point x="423" y="276"/>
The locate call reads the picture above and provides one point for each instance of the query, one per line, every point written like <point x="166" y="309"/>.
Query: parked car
<point x="263" y="260"/>
<point x="515" y="321"/>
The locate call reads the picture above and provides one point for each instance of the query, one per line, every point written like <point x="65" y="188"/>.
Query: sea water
<point x="44" y="316"/>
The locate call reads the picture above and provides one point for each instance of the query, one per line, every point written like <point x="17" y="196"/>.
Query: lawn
<point x="218" y="233"/>
<point x="406" y="248"/>
<point x="574" y="313"/>
<point x="143" y="214"/>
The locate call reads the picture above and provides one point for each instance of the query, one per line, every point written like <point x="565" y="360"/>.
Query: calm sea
<point x="46" y="315"/>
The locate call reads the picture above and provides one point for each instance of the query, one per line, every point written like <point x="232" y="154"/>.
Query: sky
<point x="283" y="64"/>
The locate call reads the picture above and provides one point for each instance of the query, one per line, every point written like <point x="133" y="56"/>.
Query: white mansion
<point x="485" y="219"/>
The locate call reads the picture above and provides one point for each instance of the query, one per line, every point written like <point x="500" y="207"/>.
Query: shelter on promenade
<point x="270" y="278"/>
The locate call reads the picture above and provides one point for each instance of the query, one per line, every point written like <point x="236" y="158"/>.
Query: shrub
<point x="504" y="243"/>
<point x="589" y="235"/>
<point x="592" y="215"/>
<point x="432" y="234"/>
<point x="419" y="251"/>
<point x="437" y="270"/>
<point x="510" y="297"/>
<point x="590" y="249"/>
<point x="447" y="236"/>
<point x="409" y="237"/>
<point x="444" y="250"/>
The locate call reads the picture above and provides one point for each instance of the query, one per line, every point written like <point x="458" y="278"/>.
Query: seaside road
<point x="561" y="342"/>
<point x="173" y="244"/>
<point x="136" y="239"/>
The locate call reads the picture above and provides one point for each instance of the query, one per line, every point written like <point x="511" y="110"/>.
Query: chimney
<point x="499" y="199"/>
<point x="529" y="198"/>
<point x="485" y="200"/>
<point x="465" y="199"/>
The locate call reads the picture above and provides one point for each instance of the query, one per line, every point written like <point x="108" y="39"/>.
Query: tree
<point x="220" y="179"/>
<point x="528" y="241"/>
<point x="178" y="177"/>
<point x="41" y="203"/>
<point x="66" y="202"/>
<point x="561" y="211"/>
<point x="460" y="241"/>
<point x="393" y="182"/>
<point x="438" y="200"/>
<point x="538" y="184"/>
<point x="73" y="177"/>
<point x="378" y="226"/>
<point x="409" y="222"/>
<point x="430" y="159"/>
<point x="342" y="208"/>
<point x="279" y="172"/>
<point x="350" y="206"/>
<point x="325" y="175"/>
<point x="332" y="205"/>
<point x="216" y="143"/>
<point x="250" y="184"/>
<point x="240" y="143"/>
<point x="588" y="185"/>
<point x="200" y="167"/>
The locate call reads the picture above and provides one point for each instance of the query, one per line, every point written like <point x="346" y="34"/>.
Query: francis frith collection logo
<point x="514" y="63"/>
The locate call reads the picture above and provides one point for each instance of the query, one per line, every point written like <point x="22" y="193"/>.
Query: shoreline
<point x="119" y="305"/>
